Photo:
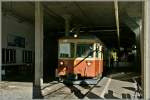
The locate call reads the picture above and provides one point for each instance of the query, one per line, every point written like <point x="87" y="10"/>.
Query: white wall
<point x="12" y="26"/>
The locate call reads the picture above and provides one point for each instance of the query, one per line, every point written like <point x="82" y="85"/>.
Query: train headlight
<point x="61" y="63"/>
<point x="89" y="63"/>
<point x="75" y="35"/>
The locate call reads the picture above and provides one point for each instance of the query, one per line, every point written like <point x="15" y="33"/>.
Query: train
<point x="80" y="58"/>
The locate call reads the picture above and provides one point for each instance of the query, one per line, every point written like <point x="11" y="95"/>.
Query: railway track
<point x="67" y="91"/>
<point x="107" y="87"/>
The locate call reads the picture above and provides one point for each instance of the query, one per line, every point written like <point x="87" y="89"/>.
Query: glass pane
<point x="97" y="51"/>
<point x="84" y="50"/>
<point x="72" y="49"/>
<point x="66" y="50"/>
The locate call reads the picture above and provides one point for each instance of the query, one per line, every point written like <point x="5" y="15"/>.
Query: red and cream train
<point x="80" y="58"/>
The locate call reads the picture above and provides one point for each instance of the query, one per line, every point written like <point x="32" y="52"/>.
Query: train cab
<point x="79" y="58"/>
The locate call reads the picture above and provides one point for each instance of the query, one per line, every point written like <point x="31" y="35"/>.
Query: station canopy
<point x="92" y="17"/>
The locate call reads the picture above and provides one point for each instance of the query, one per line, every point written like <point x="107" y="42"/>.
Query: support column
<point x="147" y="50"/>
<point x="38" y="81"/>
<point x="142" y="50"/>
<point x="67" y="24"/>
<point x="0" y="41"/>
<point x="138" y="46"/>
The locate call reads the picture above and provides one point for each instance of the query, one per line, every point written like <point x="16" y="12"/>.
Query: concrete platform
<point x="15" y="90"/>
<point x="113" y="86"/>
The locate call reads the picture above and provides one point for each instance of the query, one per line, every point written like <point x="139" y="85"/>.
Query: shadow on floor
<point x="93" y="96"/>
<point x="37" y="92"/>
<point x="79" y="94"/>
<point x="49" y="85"/>
<point x="84" y="85"/>
<point x="126" y="96"/>
<point x="75" y="90"/>
<point x="19" y="77"/>
<point x="110" y="95"/>
<point x="129" y="88"/>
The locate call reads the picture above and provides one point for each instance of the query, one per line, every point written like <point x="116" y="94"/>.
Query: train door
<point x="99" y="59"/>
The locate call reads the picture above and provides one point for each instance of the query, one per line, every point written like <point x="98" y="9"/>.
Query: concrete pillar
<point x="38" y="81"/>
<point x="138" y="46"/>
<point x="142" y="49"/>
<point x="67" y="24"/>
<point x="0" y="42"/>
<point x="147" y="50"/>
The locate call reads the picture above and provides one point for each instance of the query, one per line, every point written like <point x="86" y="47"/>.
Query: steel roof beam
<point x="84" y="14"/>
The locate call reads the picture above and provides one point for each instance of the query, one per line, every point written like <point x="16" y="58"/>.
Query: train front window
<point x="84" y="50"/>
<point x="66" y="50"/>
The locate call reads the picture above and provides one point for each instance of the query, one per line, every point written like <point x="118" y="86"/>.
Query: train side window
<point x="84" y="50"/>
<point x="97" y="51"/>
<point x="66" y="50"/>
<point x="98" y="54"/>
<point x="101" y="55"/>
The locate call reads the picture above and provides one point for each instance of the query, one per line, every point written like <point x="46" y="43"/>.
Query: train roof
<point x="84" y="38"/>
<point x="80" y="37"/>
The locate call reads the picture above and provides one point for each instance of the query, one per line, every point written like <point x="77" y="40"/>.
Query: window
<point x="8" y="56"/>
<point x="99" y="52"/>
<point x="27" y="56"/>
<point x="66" y="50"/>
<point x="85" y="50"/>
<point x="3" y="55"/>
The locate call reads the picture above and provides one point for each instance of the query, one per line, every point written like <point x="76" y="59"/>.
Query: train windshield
<point x="66" y="50"/>
<point x="84" y="50"/>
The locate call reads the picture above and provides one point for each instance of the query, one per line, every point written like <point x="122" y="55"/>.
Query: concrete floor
<point x="114" y="86"/>
<point x="15" y="90"/>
